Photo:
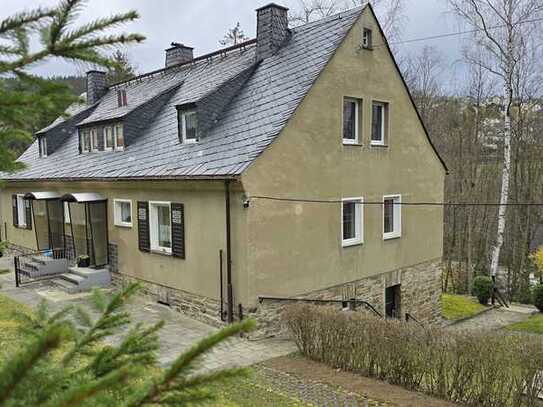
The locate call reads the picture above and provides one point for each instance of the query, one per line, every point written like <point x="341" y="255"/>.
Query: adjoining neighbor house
<point x="277" y="167"/>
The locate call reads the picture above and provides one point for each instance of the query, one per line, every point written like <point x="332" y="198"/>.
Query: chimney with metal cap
<point x="178" y="54"/>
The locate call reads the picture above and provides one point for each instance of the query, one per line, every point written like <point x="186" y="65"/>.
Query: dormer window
<point x="188" y="126"/>
<point x="109" y="141"/>
<point x="94" y="139"/>
<point x="367" y="39"/>
<point x="85" y="141"/>
<point x="43" y="146"/>
<point x="119" y="137"/>
<point x="121" y="98"/>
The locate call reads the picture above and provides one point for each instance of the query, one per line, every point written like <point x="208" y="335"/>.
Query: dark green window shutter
<point x="14" y="207"/>
<point x="178" y="230"/>
<point x="144" y="242"/>
<point x="28" y="213"/>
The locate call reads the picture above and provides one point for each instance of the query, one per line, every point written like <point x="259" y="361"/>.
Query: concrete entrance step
<point x="66" y="285"/>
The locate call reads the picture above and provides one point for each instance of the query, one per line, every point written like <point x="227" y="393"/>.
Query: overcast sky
<point x="202" y="23"/>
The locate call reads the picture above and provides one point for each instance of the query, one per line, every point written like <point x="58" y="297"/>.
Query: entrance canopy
<point x="42" y="196"/>
<point x="83" y="197"/>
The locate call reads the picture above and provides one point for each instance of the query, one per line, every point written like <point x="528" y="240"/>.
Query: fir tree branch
<point x="100" y="25"/>
<point x="16" y="369"/>
<point x="24" y="19"/>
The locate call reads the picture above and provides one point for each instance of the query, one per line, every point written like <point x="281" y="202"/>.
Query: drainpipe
<point x="229" y="293"/>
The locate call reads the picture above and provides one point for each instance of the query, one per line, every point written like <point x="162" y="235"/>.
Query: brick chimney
<point x="96" y="86"/>
<point x="271" y="29"/>
<point x="178" y="54"/>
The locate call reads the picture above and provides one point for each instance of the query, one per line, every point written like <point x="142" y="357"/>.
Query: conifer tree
<point x="67" y="363"/>
<point x="25" y="98"/>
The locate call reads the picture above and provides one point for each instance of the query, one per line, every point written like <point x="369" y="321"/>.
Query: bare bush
<point x="472" y="369"/>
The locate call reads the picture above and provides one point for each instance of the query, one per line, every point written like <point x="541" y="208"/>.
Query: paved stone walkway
<point x="496" y="318"/>
<point x="311" y="392"/>
<point x="177" y="335"/>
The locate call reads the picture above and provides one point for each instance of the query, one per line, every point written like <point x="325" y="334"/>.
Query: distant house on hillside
<point x="279" y="167"/>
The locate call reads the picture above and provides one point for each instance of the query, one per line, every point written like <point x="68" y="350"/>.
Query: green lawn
<point x="533" y="325"/>
<point x="459" y="306"/>
<point x="242" y="393"/>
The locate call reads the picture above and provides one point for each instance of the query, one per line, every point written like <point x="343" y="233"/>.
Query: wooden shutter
<point x="28" y="213"/>
<point x="178" y="230"/>
<point x="14" y="208"/>
<point x="144" y="242"/>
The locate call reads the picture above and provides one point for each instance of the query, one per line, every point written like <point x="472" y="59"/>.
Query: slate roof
<point x="255" y="117"/>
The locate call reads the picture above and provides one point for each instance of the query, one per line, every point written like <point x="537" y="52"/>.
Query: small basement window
<point x="43" y="146"/>
<point x="378" y="123"/>
<point x="188" y="126"/>
<point x="160" y="227"/>
<point x="122" y="210"/>
<point x="392" y="216"/>
<point x="367" y="39"/>
<point x="351" y="221"/>
<point x="351" y="107"/>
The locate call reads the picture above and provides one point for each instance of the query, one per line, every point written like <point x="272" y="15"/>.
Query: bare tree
<point x="310" y="10"/>
<point x="503" y="35"/>
<point x="234" y="36"/>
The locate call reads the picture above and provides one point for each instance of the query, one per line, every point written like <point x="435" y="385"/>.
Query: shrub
<point x="457" y="366"/>
<point x="482" y="288"/>
<point x="537" y="294"/>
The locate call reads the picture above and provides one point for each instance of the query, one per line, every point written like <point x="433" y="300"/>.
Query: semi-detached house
<point x="275" y="168"/>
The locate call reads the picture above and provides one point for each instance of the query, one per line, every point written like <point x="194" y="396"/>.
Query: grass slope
<point x="459" y="306"/>
<point x="533" y="325"/>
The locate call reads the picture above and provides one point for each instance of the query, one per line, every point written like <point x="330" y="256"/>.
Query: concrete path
<point x="496" y="318"/>
<point x="177" y="335"/>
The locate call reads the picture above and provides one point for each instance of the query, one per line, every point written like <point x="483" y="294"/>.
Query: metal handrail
<point x="353" y="302"/>
<point x="56" y="254"/>
<point x="409" y="317"/>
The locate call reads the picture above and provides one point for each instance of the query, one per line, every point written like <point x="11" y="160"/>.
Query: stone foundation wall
<point x="420" y="297"/>
<point x="201" y="308"/>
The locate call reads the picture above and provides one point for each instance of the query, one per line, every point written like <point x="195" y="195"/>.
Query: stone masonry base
<point x="420" y="296"/>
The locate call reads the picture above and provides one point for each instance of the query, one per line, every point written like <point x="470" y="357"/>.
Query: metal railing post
<point x="16" y="265"/>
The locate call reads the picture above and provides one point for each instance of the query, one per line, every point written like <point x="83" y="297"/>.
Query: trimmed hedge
<point x="473" y="369"/>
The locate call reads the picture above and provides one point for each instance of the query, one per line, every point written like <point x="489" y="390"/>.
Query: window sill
<point x="378" y="145"/>
<point x="392" y="236"/>
<point x="352" y="243"/>
<point x="125" y="225"/>
<point x="160" y="252"/>
<point x="352" y="144"/>
<point x="21" y="227"/>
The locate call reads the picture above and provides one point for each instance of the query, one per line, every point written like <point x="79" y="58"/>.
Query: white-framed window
<point x="94" y="139"/>
<point x="43" y="146"/>
<point x="352" y="221"/>
<point x="67" y="218"/>
<point x="21" y="211"/>
<point x="119" y="137"/>
<point x="188" y="121"/>
<point x="367" y="41"/>
<point x="109" y="141"/>
<point x="85" y="141"/>
<point x="122" y="212"/>
<point x="351" y="108"/>
<point x="160" y="224"/>
<point x="378" y="123"/>
<point x="392" y="216"/>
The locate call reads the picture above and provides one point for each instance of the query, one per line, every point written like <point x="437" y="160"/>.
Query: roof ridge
<point x="199" y="58"/>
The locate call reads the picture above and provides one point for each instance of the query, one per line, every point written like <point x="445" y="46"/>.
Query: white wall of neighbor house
<point x="204" y="205"/>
